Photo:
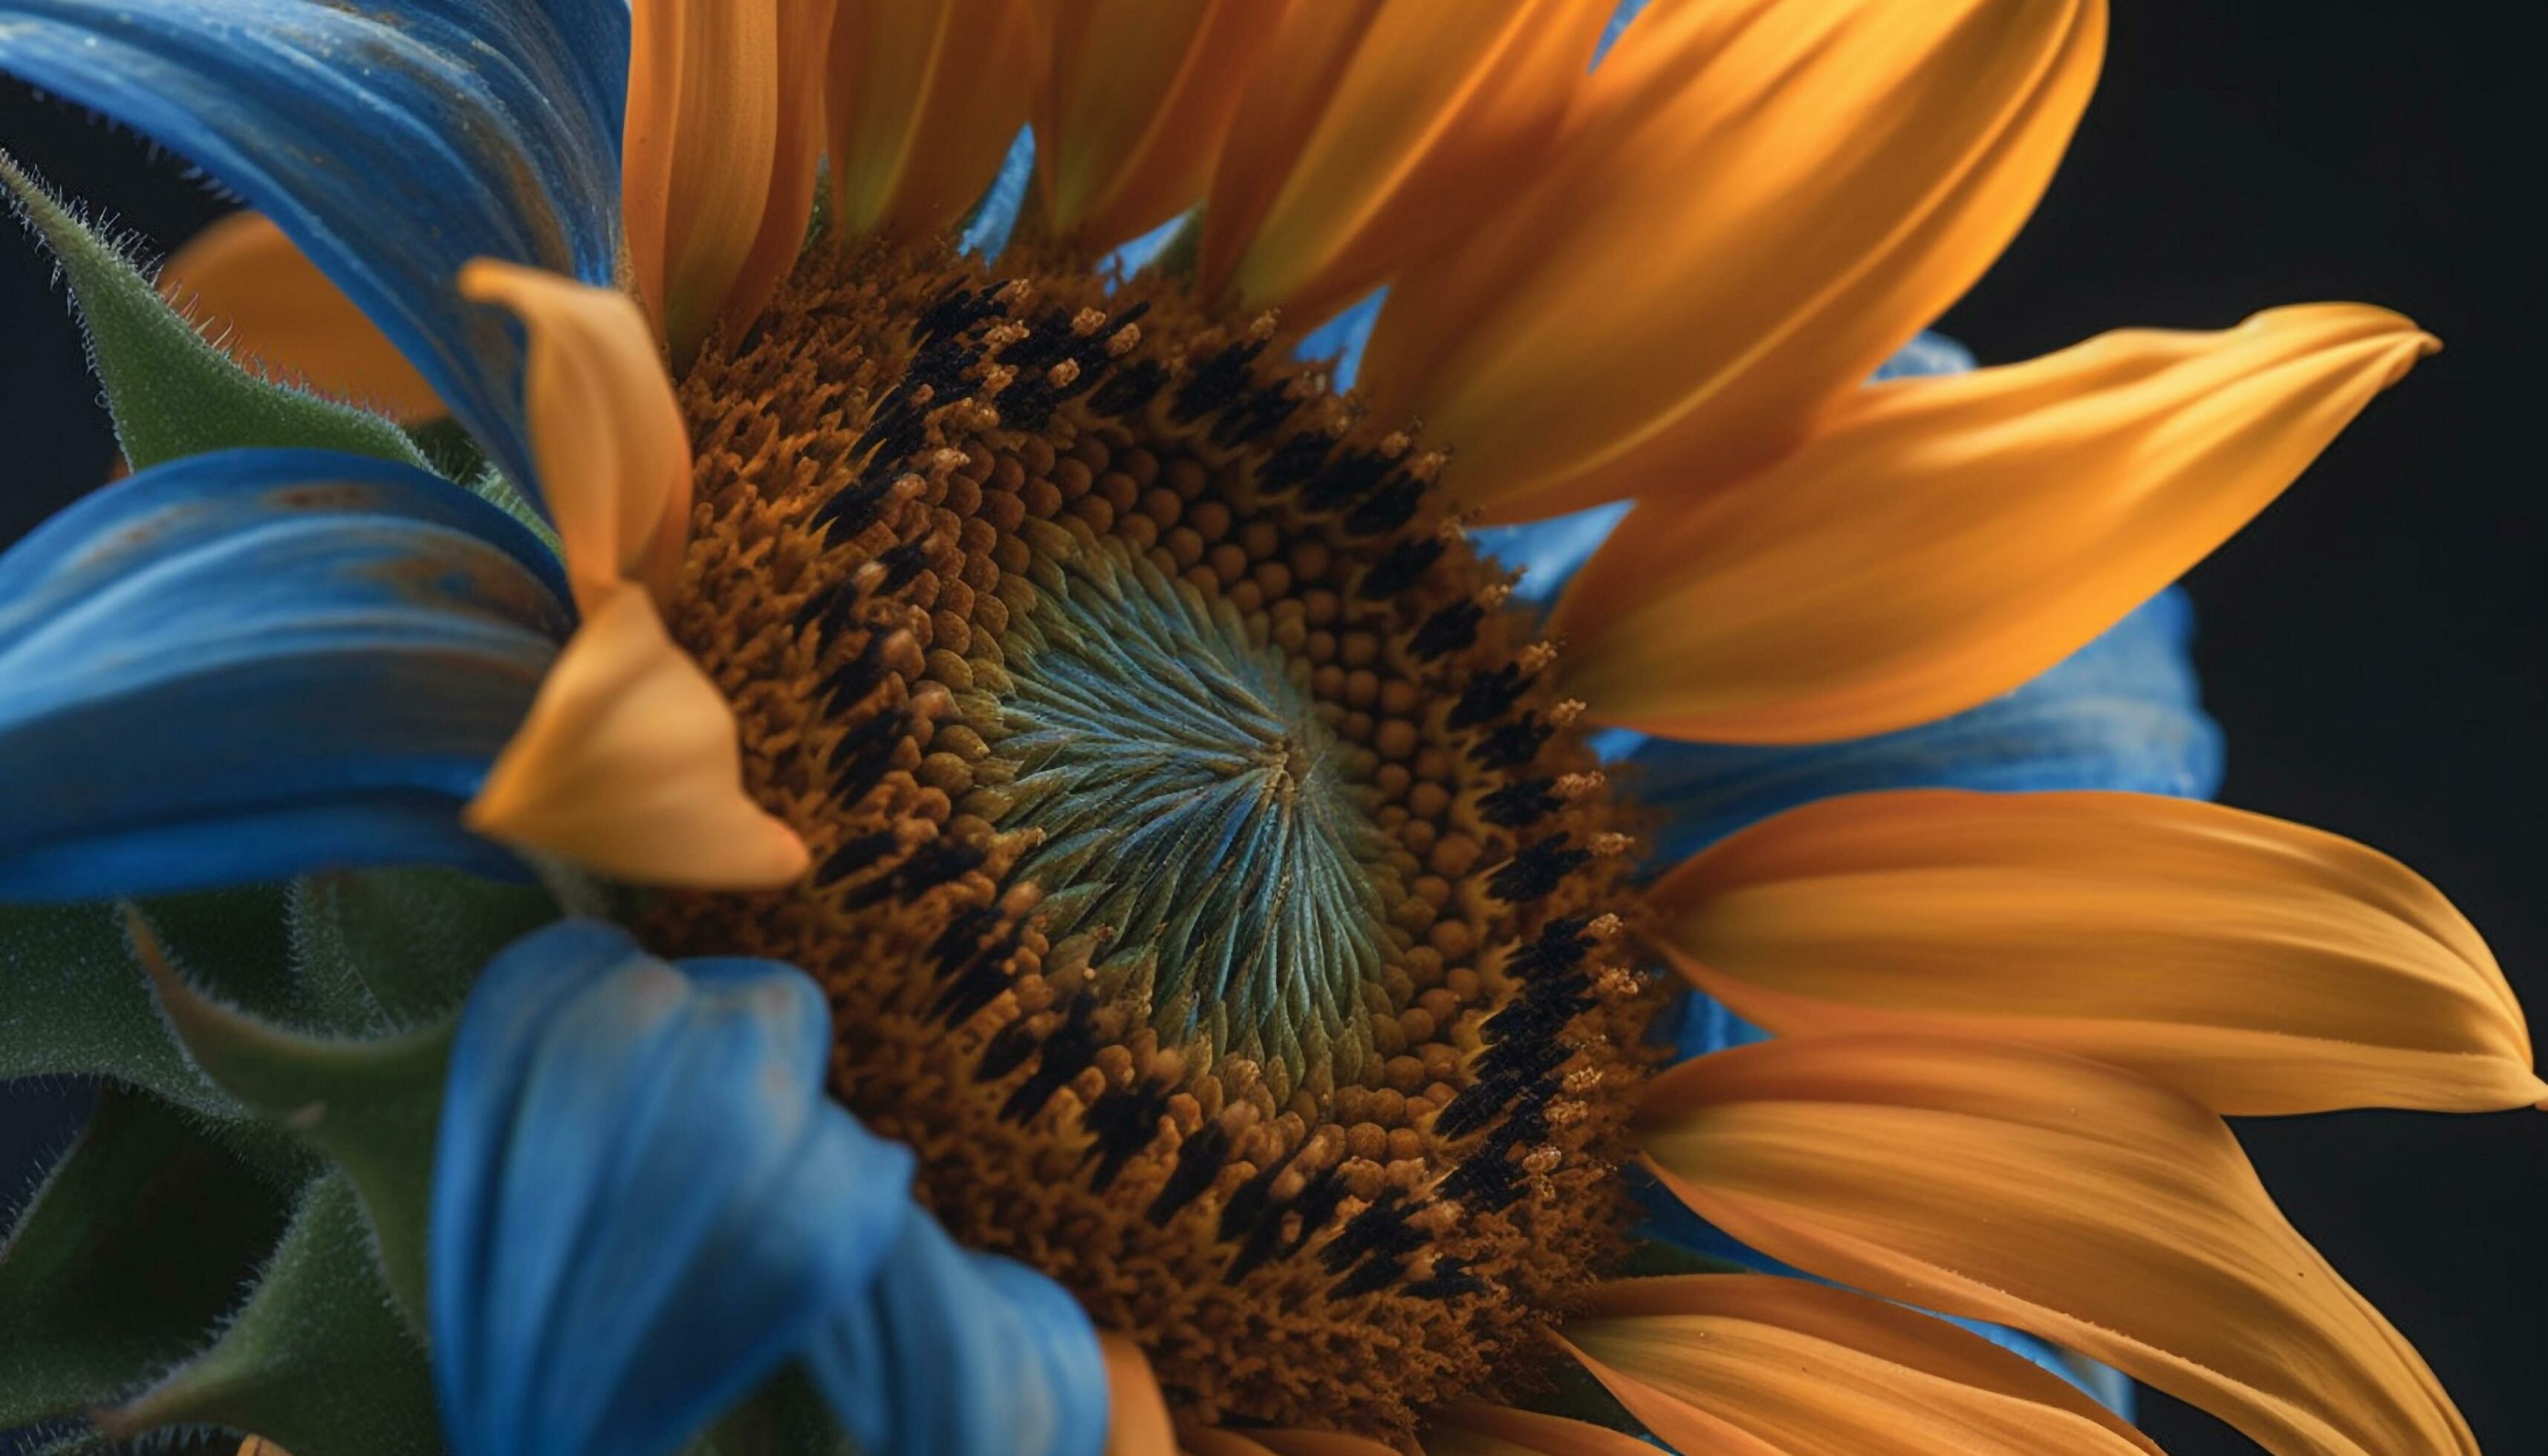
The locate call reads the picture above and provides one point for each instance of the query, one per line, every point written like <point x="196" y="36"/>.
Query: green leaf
<point x="317" y="1361"/>
<point x="171" y="393"/>
<point x="139" y="1242"/>
<point x="373" y="1107"/>
<point x="391" y="950"/>
<point x="73" y="1002"/>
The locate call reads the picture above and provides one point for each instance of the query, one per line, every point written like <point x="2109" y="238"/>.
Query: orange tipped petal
<point x="255" y="293"/>
<point x="922" y="103"/>
<point x="717" y="165"/>
<point x="1137" y="1413"/>
<point x="607" y="432"/>
<point x="1794" y="1366"/>
<point x="627" y="764"/>
<point x="2256" y="965"/>
<point x="1501" y="1430"/>
<point x="1757" y="203"/>
<point x="1375" y="133"/>
<point x="1135" y="99"/>
<point x="2079" y="1201"/>
<point x="1948" y="539"/>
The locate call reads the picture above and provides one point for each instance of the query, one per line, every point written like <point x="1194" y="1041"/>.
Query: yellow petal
<point x="2256" y="965"/>
<point x="2079" y="1201"/>
<point x="627" y="764"/>
<point x="1375" y="134"/>
<point x="607" y="433"/>
<point x="1760" y="200"/>
<point x="1501" y="1430"/>
<point x="1801" y="1367"/>
<point x="717" y="160"/>
<point x="923" y="101"/>
<point x="1946" y="539"/>
<point x="1137" y="1413"/>
<point x="253" y="294"/>
<point x="1135" y="102"/>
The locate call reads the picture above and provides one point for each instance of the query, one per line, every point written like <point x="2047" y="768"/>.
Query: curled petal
<point x="1137" y="1412"/>
<point x="1756" y="203"/>
<point x="947" y="1353"/>
<point x="240" y="665"/>
<point x="450" y="130"/>
<point x="614" y="457"/>
<point x="1946" y="539"/>
<point x="642" y="1202"/>
<point x="1375" y="133"/>
<point x="261" y="299"/>
<point x="1499" y="1431"/>
<point x="922" y="103"/>
<point x="724" y="119"/>
<point x="1135" y="102"/>
<point x="627" y="764"/>
<point x="1747" y="1358"/>
<point x="2079" y="1201"/>
<point x="2257" y="965"/>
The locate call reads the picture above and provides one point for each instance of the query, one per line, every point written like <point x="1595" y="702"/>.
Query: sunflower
<point x="1102" y="855"/>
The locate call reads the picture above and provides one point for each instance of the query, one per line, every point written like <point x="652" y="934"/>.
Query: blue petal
<point x="392" y="141"/>
<point x="1341" y="341"/>
<point x="238" y="666"/>
<point x="643" y="1203"/>
<point x="2123" y="713"/>
<point x="953" y="1353"/>
<point x="995" y="217"/>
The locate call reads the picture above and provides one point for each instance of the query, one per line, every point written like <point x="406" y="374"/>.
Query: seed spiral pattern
<point x="1207" y="882"/>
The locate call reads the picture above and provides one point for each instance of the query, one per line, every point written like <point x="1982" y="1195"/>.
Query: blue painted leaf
<point x="995" y="217"/>
<point x="392" y="141"/>
<point x="956" y="1353"/>
<point x="643" y="1202"/>
<point x="2123" y="713"/>
<point x="243" y="664"/>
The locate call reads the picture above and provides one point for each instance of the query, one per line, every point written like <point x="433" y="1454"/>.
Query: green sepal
<point x="74" y="1002"/>
<point x="370" y="1106"/>
<point x="317" y="1361"/>
<point x="171" y="393"/>
<point x="391" y="950"/>
<point x="139" y="1242"/>
<point x="1653" y="1259"/>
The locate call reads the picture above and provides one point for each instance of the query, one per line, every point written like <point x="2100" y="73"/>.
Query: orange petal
<point x="1135" y="99"/>
<point x="627" y="764"/>
<point x="1802" y="1367"/>
<point x="255" y="293"/>
<point x="1375" y="133"/>
<point x="717" y="164"/>
<point x="923" y="101"/>
<point x="1137" y="1414"/>
<point x="2256" y="965"/>
<point x="1946" y="539"/>
<point x="1284" y="1443"/>
<point x="1501" y="1430"/>
<point x="1759" y="202"/>
<point x="2079" y="1201"/>
<point x="607" y="433"/>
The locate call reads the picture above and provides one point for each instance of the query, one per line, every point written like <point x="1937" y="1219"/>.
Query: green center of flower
<point x="1196" y="818"/>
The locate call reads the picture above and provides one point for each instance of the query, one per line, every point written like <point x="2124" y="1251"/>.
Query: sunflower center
<point x="1209" y="884"/>
<point x="1196" y="818"/>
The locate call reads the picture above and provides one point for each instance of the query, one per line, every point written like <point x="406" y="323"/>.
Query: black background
<point x="2372" y="643"/>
